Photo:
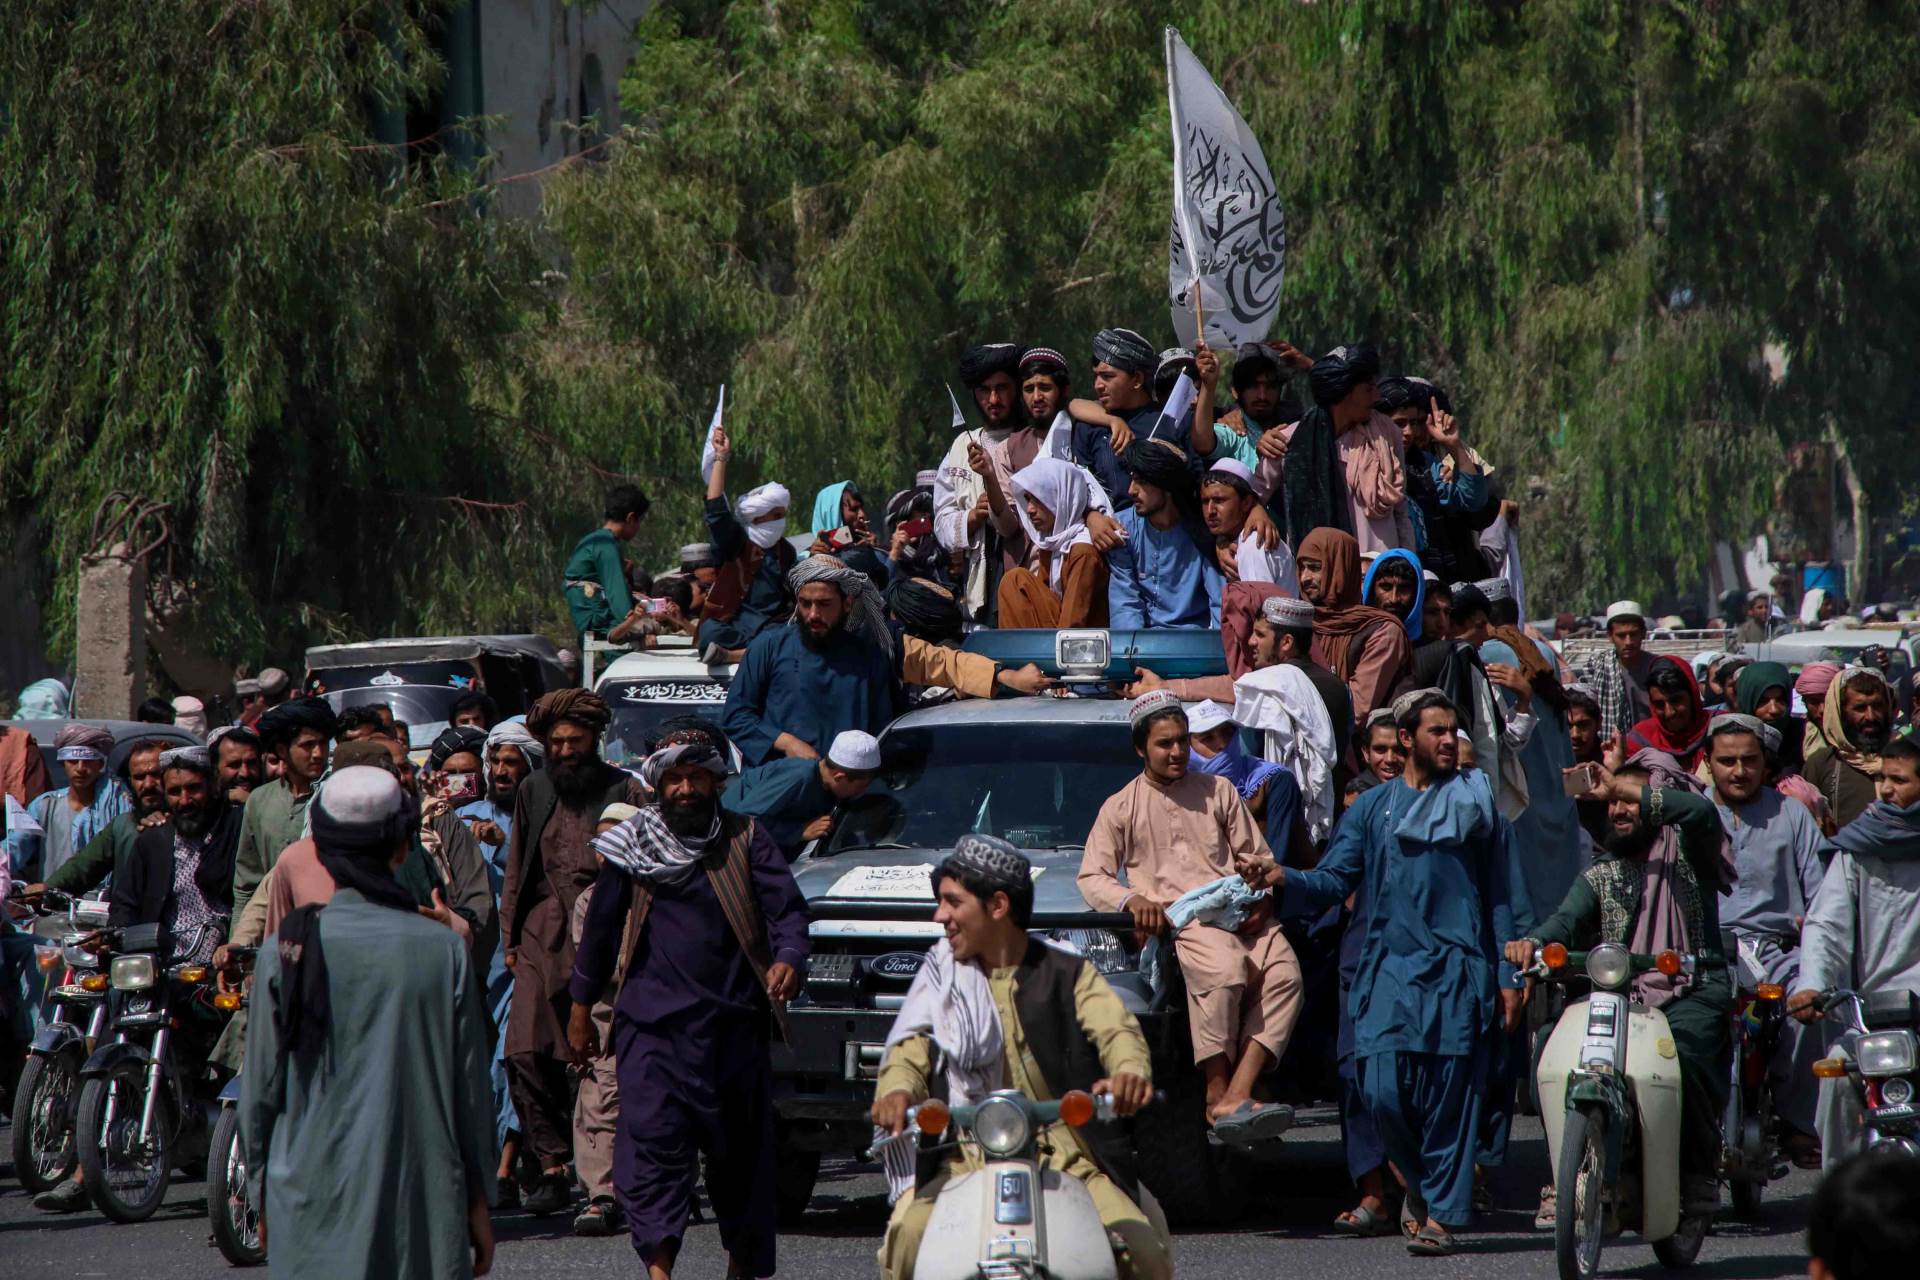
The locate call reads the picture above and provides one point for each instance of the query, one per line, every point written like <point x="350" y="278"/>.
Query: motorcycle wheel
<point x="1683" y="1246"/>
<point x="1580" y="1191"/>
<point x="235" y="1217"/>
<point x="127" y="1182"/>
<point x="43" y="1112"/>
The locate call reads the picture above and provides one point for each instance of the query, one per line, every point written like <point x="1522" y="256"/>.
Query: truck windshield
<point x="1038" y="786"/>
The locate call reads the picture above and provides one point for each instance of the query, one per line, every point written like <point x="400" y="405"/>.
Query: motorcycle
<point x="1609" y="1089"/>
<point x="1014" y="1218"/>
<point x="1877" y="1032"/>
<point x="43" y="1148"/>
<point x="1750" y="1128"/>
<point x="139" y="1117"/>
<point x="233" y="1211"/>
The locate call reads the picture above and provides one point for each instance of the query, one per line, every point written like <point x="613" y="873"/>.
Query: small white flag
<point x="706" y="452"/>
<point x="21" y="821"/>
<point x="1059" y="441"/>
<point x="959" y="418"/>
<point x="1229" y="237"/>
<point x="1177" y="405"/>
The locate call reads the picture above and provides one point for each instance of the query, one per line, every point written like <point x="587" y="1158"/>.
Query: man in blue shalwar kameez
<point x="830" y="670"/>
<point x="1431" y="855"/>
<point x="697" y="934"/>
<point x="795" y="799"/>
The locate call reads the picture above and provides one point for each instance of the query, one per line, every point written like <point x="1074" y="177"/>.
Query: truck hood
<point x="875" y="876"/>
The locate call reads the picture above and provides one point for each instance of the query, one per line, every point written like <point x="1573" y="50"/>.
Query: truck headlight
<point x="1889" y="1053"/>
<point x="1082" y="655"/>
<point x="132" y="973"/>
<point x="1101" y="948"/>
<point x="1001" y="1127"/>
<point x="1609" y="966"/>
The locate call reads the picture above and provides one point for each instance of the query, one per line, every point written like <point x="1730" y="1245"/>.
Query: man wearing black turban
<point x="970" y="507"/>
<point x="1447" y="483"/>
<point x="927" y="625"/>
<point x="1124" y="410"/>
<point x="1316" y="484"/>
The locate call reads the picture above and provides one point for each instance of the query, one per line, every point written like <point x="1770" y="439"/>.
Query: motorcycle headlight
<point x="1889" y="1053"/>
<point x="1609" y="966"/>
<point x="1001" y="1127"/>
<point x="132" y="973"/>
<point x="1099" y="947"/>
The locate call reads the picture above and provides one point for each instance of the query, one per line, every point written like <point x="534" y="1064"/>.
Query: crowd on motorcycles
<point x="1676" y="903"/>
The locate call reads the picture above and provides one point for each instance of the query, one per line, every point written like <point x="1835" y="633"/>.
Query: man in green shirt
<point x="298" y="732"/>
<point x="106" y="853"/>
<point x="596" y="581"/>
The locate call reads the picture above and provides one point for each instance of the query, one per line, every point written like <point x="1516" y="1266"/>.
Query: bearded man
<point x="1856" y="721"/>
<point x="697" y="935"/>
<point x="549" y="862"/>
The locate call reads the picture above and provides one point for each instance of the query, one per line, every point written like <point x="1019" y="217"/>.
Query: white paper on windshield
<point x="899" y="884"/>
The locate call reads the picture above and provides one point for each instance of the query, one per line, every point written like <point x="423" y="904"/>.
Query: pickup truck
<point x="1035" y="772"/>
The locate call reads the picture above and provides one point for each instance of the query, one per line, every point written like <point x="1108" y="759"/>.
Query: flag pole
<point x="1199" y="315"/>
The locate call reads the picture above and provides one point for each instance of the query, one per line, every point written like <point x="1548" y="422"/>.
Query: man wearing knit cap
<point x="1227" y="506"/>
<point x="1619" y="679"/>
<point x="548" y="864"/>
<point x="276" y="686"/>
<point x="795" y="799"/>
<point x="1175" y="832"/>
<point x="1123" y="412"/>
<point x="697" y="936"/>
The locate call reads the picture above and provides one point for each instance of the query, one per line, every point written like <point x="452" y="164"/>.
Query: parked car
<point x="420" y="677"/>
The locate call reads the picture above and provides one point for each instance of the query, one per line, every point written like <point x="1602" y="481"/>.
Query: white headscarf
<point x="1060" y="488"/>
<point x="1281" y="702"/>
<point x="512" y="733"/>
<point x="753" y="508"/>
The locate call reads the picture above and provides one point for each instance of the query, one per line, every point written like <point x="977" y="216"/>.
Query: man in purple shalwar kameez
<point x="699" y="930"/>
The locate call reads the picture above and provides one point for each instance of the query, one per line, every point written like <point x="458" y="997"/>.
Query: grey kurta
<point x="370" y="1149"/>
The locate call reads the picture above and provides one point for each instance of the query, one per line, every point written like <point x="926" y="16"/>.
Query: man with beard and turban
<point x="1125" y="414"/>
<point x="596" y="577"/>
<point x="1163" y="574"/>
<point x="180" y="873"/>
<point x="298" y="733"/>
<point x="1364" y="646"/>
<point x="1177" y="834"/>
<point x="70" y="816"/>
<point x="1856" y="721"/>
<point x="1345" y="466"/>
<point x="749" y="592"/>
<point x="697" y="935"/>
<point x="1656" y="887"/>
<point x="549" y="862"/>
<point x="1428" y="854"/>
<point x="830" y="669"/>
<point x="1448" y="498"/>
<point x="241" y="759"/>
<point x="363" y="1107"/>
<point x="1863" y="930"/>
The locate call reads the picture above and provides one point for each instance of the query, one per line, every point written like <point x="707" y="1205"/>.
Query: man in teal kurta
<point x="367" y="1113"/>
<point x="596" y="580"/>
<point x="795" y="799"/>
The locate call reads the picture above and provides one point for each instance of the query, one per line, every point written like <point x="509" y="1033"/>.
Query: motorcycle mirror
<point x="1668" y="962"/>
<point x="1554" y="956"/>
<point x="1770" y="991"/>
<point x="933" y="1117"/>
<point x="1830" y="1068"/>
<point x="1076" y="1108"/>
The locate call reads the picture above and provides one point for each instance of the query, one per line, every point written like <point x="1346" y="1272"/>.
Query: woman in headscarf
<point x="1064" y="582"/>
<point x="1678" y="725"/>
<point x="839" y="508"/>
<point x="1346" y="463"/>
<point x="1366" y="647"/>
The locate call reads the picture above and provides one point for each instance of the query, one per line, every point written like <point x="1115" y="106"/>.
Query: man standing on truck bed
<point x="596" y="580"/>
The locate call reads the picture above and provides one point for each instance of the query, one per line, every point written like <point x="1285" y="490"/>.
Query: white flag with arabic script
<point x="1229" y="237"/>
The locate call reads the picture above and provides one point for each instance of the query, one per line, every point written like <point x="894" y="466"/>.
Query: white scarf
<point x="1281" y="701"/>
<point x="1060" y="488"/>
<point x="952" y="1002"/>
<point x="756" y="504"/>
<point x="645" y="848"/>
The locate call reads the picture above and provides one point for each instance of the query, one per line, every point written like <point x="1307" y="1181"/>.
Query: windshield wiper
<point x="884" y="844"/>
<point x="1067" y="846"/>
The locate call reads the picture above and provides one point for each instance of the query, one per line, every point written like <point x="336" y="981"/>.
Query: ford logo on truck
<point x="898" y="965"/>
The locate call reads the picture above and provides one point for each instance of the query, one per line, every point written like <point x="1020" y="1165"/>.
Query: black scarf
<point x="1315" y="484"/>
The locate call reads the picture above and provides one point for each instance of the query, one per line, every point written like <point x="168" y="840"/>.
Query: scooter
<point x="1014" y="1218"/>
<point x="1882" y="1061"/>
<point x="49" y="1088"/>
<point x="233" y="1211"/>
<point x="1609" y="1087"/>
<point x="1750" y="1128"/>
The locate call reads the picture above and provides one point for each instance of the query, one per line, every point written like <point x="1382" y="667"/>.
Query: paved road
<point x="1285" y="1234"/>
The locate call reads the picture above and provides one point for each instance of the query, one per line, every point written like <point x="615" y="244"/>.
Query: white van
<point x="647" y="687"/>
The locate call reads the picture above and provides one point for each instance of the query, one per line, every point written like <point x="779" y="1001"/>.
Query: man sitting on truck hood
<point x="987" y="976"/>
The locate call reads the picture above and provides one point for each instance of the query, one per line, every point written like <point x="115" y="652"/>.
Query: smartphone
<point x="918" y="527"/>
<point x="839" y="538"/>
<point x="460" y="787"/>
<point x="655" y="605"/>
<point x="1581" y="779"/>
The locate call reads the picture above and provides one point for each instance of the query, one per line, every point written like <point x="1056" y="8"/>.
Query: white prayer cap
<point x="618" y="812"/>
<point x="1495" y="589"/>
<point x="856" y="751"/>
<point x="1627" y="609"/>
<point x="1285" y="611"/>
<point x="190" y="714"/>
<point x="1208" y="715"/>
<point x="1152" y="704"/>
<point x="1235" y="468"/>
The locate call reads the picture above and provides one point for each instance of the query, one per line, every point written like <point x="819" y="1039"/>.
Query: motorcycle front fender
<point x="230" y="1092"/>
<point x="56" y="1038"/>
<point x="108" y="1057"/>
<point x="1065" y="1233"/>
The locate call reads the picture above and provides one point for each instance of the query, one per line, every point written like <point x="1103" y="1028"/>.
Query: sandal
<point x="1803" y="1149"/>
<point x="1251" y="1123"/>
<point x="1362" y="1222"/>
<point x="1413" y="1212"/>
<point x="1549" y="1211"/>
<point x="1431" y="1243"/>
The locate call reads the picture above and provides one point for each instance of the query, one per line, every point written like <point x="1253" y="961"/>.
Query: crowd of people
<point x="562" y="977"/>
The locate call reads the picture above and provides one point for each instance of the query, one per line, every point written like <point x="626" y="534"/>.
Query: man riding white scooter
<point x="1069" y="1030"/>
